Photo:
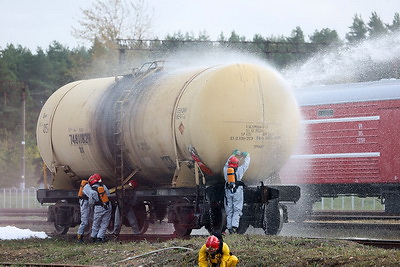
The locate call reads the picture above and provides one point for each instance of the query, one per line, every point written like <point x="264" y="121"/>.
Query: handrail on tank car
<point x="149" y="66"/>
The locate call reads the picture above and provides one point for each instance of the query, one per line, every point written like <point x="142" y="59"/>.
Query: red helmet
<point x="233" y="162"/>
<point x="95" y="178"/>
<point x="212" y="243"/>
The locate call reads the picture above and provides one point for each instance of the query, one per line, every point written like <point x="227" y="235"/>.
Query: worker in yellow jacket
<point x="215" y="252"/>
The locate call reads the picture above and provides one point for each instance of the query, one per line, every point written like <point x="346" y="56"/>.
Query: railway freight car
<point x="350" y="143"/>
<point x="171" y="131"/>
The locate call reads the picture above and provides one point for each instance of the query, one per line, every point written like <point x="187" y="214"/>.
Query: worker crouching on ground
<point x="86" y="209"/>
<point x="102" y="209"/>
<point x="215" y="252"/>
<point x="233" y="174"/>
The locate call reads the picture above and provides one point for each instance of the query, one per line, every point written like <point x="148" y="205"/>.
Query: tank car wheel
<point x="181" y="230"/>
<point x="217" y="220"/>
<point x="60" y="229"/>
<point x="185" y="210"/>
<point x="273" y="218"/>
<point x="111" y="225"/>
<point x="110" y="228"/>
<point x="142" y="217"/>
<point x="242" y="227"/>
<point x="60" y="216"/>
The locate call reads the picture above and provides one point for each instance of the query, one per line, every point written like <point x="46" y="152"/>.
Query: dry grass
<point x="252" y="250"/>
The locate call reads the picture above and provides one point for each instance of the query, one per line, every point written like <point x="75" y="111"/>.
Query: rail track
<point x="322" y="221"/>
<point x="43" y="264"/>
<point x="361" y="220"/>
<point x="23" y="212"/>
<point x="327" y="215"/>
<point x="386" y="244"/>
<point x="350" y="225"/>
<point x="339" y="215"/>
<point x="21" y="216"/>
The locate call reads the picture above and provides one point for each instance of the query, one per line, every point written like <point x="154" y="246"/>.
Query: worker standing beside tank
<point x="85" y="208"/>
<point x="233" y="174"/>
<point x="102" y="208"/>
<point x="215" y="252"/>
<point x="128" y="212"/>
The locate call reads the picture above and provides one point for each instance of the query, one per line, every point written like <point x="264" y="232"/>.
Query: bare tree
<point x="108" y="20"/>
<point x="143" y="20"/>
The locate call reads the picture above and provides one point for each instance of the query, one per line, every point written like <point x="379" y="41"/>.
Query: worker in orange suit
<point x="215" y="252"/>
<point x="102" y="208"/>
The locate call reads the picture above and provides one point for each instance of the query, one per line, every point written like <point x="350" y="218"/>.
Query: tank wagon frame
<point x="350" y="144"/>
<point x="184" y="192"/>
<point x="185" y="208"/>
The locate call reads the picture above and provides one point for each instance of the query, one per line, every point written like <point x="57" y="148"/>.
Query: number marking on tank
<point x="80" y="139"/>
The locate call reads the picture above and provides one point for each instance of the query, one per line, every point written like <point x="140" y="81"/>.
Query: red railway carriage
<point x="350" y="144"/>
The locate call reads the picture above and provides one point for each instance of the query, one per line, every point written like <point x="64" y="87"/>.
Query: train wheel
<point x="60" y="218"/>
<point x="217" y="220"/>
<point x="111" y="230"/>
<point x="142" y="217"/>
<point x="60" y="229"/>
<point x="183" y="214"/>
<point x="273" y="218"/>
<point x="242" y="227"/>
<point x="181" y="230"/>
<point x="111" y="226"/>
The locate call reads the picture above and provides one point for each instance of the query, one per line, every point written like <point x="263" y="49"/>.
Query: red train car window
<point x="325" y="113"/>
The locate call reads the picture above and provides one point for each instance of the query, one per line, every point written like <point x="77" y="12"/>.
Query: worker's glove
<point x="236" y="152"/>
<point x="132" y="183"/>
<point x="245" y="154"/>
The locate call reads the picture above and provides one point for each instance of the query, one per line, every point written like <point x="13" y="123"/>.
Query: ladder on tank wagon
<point x="138" y="74"/>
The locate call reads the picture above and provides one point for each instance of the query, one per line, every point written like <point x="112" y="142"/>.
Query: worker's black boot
<point x="102" y="240"/>
<point x="80" y="238"/>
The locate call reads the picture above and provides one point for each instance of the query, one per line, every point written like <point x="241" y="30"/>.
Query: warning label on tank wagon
<point x="255" y="132"/>
<point x="80" y="139"/>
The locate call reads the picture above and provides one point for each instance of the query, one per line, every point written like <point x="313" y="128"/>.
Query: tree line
<point x="45" y="70"/>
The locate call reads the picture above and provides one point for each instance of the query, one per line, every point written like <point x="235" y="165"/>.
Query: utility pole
<point x="23" y="169"/>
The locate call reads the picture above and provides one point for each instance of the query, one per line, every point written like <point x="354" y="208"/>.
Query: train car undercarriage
<point x="186" y="208"/>
<point x="388" y="193"/>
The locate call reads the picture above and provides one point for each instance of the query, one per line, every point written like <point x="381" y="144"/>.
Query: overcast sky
<point x="39" y="22"/>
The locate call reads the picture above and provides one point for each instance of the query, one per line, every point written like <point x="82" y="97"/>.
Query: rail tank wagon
<point x="171" y="130"/>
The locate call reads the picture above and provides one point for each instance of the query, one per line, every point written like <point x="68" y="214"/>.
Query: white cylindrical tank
<point x="170" y="116"/>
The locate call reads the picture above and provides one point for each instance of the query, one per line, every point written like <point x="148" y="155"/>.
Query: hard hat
<point x="95" y="178"/>
<point x="233" y="162"/>
<point x="212" y="243"/>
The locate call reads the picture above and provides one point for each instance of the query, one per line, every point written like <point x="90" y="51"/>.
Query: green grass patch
<point x="252" y="250"/>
